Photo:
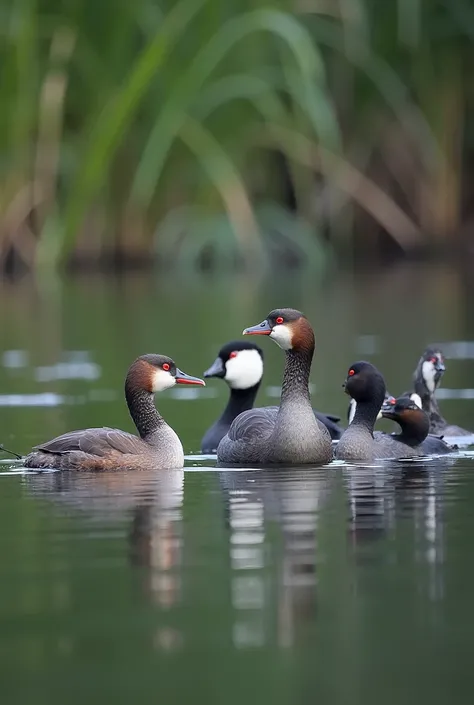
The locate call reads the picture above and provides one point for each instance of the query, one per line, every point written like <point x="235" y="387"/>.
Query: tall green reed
<point x="203" y="132"/>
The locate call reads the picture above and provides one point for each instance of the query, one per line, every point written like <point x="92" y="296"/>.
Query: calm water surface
<point x="337" y="585"/>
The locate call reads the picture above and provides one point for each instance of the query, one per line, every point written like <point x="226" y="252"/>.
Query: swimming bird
<point x="366" y="385"/>
<point x="426" y="380"/>
<point x="414" y="424"/>
<point x="240" y="364"/>
<point x="157" y="446"/>
<point x="289" y="434"/>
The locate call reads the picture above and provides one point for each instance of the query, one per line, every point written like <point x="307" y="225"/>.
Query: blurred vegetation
<point x="208" y="132"/>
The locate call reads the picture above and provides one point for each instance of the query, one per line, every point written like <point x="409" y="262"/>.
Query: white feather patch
<point x="162" y="380"/>
<point x="352" y="410"/>
<point x="282" y="336"/>
<point x="245" y="370"/>
<point x="428" y="371"/>
<point x="417" y="399"/>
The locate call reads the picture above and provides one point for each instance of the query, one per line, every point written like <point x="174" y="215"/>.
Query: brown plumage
<point x="157" y="445"/>
<point x="302" y="334"/>
<point x="289" y="434"/>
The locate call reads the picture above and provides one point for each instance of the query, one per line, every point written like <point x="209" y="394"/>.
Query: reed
<point x="212" y="134"/>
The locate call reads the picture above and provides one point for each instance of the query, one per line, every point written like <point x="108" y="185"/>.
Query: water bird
<point x="426" y="380"/>
<point x="414" y="424"/>
<point x="240" y="364"/>
<point x="289" y="434"/>
<point x="157" y="446"/>
<point x="359" y="442"/>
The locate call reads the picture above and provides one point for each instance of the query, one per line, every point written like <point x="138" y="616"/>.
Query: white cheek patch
<point x="245" y="370"/>
<point x="282" y="336"/>
<point x="428" y="371"/>
<point x="417" y="399"/>
<point x="162" y="380"/>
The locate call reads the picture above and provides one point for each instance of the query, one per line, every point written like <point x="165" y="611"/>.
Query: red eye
<point x="279" y="319"/>
<point x="433" y="360"/>
<point x="393" y="401"/>
<point x="165" y="366"/>
<point x="351" y="372"/>
<point x="233" y="354"/>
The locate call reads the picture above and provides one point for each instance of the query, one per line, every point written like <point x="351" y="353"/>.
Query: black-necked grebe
<point x="366" y="385"/>
<point x="240" y="364"/>
<point x="414" y="424"/>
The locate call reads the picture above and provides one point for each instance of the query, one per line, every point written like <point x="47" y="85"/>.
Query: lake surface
<point x="337" y="585"/>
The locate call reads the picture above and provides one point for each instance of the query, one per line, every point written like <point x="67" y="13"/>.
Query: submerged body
<point x="157" y="446"/>
<point x="240" y="364"/>
<point x="289" y="434"/>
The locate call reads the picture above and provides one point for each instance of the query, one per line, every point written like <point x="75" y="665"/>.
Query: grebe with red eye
<point x="359" y="442"/>
<point x="240" y="364"/>
<point x="427" y="379"/>
<point x="157" y="447"/>
<point x="289" y="434"/>
<point x="427" y="376"/>
<point x="414" y="424"/>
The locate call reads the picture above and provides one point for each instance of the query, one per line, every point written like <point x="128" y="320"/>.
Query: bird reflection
<point x="392" y="498"/>
<point x="154" y="502"/>
<point x="265" y="570"/>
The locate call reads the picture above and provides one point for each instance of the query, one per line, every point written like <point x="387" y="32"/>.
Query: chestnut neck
<point x="414" y="428"/>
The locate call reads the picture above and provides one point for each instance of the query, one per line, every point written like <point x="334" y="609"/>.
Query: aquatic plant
<point x="211" y="134"/>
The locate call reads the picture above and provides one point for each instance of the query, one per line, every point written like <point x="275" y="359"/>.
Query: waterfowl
<point x="157" y="446"/>
<point x="426" y="380"/>
<point x="366" y="385"/>
<point x="240" y="364"/>
<point x="426" y="377"/>
<point x="414" y="424"/>
<point x="289" y="434"/>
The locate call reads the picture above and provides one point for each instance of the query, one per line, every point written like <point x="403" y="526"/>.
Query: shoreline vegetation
<point x="200" y="135"/>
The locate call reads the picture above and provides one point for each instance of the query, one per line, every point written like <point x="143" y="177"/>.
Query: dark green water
<point x="335" y="586"/>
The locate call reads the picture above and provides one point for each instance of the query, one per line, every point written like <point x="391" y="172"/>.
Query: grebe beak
<point x="183" y="378"/>
<point x="387" y="406"/>
<point x="216" y="369"/>
<point x="262" y="328"/>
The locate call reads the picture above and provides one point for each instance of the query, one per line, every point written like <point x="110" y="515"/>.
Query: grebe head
<point x="155" y="373"/>
<point x="289" y="328"/>
<point x="239" y="363"/>
<point x="364" y="383"/>
<point x="405" y="409"/>
<point x="432" y="368"/>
